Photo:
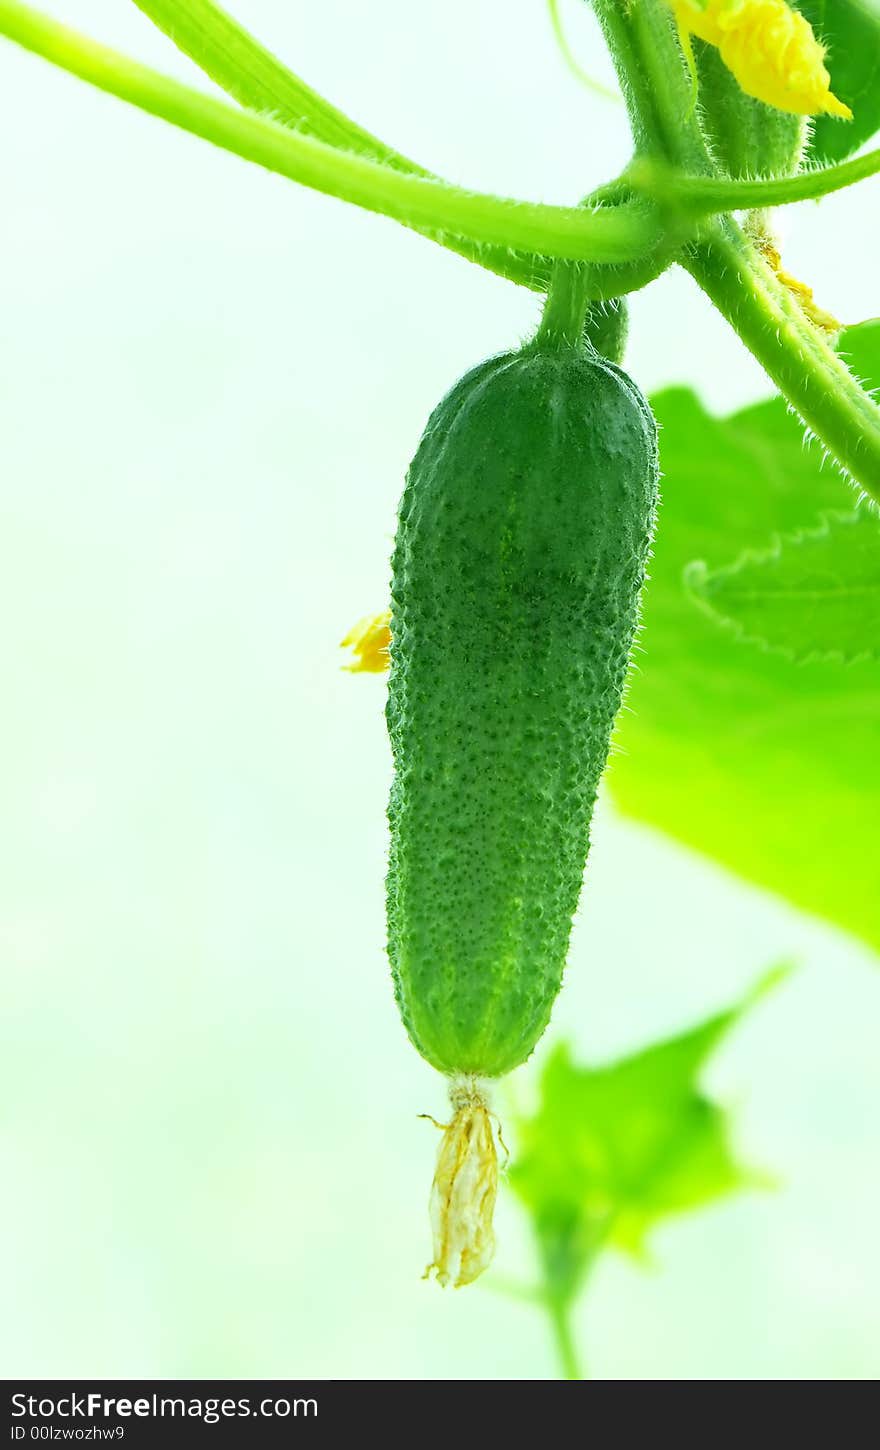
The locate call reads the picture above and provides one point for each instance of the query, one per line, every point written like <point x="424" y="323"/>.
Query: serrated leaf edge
<point x="696" y="573"/>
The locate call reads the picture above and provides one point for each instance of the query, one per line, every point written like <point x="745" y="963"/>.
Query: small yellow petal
<point x="370" y="641"/>
<point x="834" y="107"/>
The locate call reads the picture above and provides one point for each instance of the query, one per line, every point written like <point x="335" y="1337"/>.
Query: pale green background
<point x="211" y="385"/>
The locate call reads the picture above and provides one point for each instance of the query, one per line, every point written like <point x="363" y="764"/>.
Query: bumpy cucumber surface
<point x="747" y="137"/>
<point x="521" y="547"/>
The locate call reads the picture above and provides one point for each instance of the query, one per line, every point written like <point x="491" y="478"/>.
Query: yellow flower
<point x="769" y="48"/>
<point x="370" y="640"/>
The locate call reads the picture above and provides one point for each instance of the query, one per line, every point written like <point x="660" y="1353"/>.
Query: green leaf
<point x="851" y="31"/>
<point x="815" y="594"/>
<point x="769" y="766"/>
<point x="612" y="1151"/>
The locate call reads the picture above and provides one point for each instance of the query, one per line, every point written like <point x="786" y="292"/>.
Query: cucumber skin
<point x="746" y="136"/>
<point x="522" y="540"/>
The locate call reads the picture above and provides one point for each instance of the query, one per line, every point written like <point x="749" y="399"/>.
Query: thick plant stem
<point x="634" y="82"/>
<point x="798" y="358"/>
<point x="562" y="322"/>
<point x="656" y="84"/>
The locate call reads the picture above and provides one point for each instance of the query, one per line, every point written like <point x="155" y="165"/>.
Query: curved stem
<point x="703" y="194"/>
<point x="254" y="77"/>
<point x="572" y="61"/>
<point x="613" y="234"/>
<point x="619" y="280"/>
<point x="805" y="368"/>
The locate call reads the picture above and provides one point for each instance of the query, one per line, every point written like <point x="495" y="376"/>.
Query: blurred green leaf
<point x="613" y="1150"/>
<point x="813" y="594"/>
<point x="851" y="31"/>
<point x="769" y="766"/>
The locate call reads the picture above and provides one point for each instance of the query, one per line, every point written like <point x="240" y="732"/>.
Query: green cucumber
<point x="521" y="548"/>
<point x="748" y="138"/>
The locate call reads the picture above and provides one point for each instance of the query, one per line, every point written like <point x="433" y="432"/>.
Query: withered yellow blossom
<point x="464" y="1190"/>
<point x="370" y="641"/>
<point x="769" y="48"/>
<point x="802" y="294"/>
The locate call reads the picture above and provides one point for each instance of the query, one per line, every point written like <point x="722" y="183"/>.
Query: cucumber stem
<point x="562" y="321"/>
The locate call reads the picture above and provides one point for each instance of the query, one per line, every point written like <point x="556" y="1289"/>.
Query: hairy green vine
<point x="672" y="190"/>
